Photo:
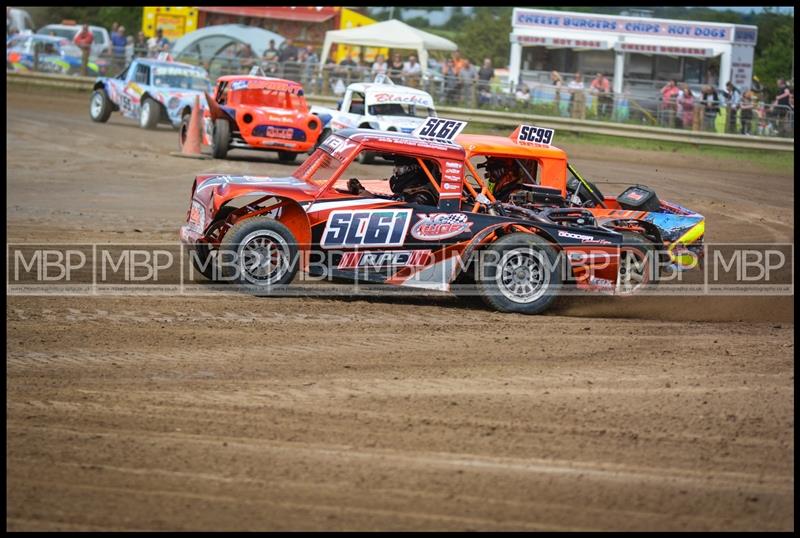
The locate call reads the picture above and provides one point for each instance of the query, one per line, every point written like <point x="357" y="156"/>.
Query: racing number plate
<point x="440" y="129"/>
<point x="538" y="135"/>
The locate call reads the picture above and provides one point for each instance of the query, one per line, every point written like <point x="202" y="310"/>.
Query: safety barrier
<point x="500" y="119"/>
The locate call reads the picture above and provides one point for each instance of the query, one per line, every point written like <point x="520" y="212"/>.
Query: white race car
<point x="377" y="105"/>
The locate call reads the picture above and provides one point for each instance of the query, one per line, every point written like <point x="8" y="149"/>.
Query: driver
<point x="503" y="177"/>
<point x="408" y="183"/>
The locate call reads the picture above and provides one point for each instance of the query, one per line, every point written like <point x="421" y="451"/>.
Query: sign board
<point x="568" y="21"/>
<point x="668" y="50"/>
<point x="439" y="129"/>
<point x="561" y="42"/>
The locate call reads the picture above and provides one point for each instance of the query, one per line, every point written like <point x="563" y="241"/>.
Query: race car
<point x="379" y="105"/>
<point x="55" y="55"/>
<point x="424" y="226"/>
<point x="256" y="112"/>
<point x="526" y="170"/>
<point x="150" y="91"/>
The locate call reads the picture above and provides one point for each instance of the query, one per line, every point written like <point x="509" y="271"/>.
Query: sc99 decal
<point x="537" y="135"/>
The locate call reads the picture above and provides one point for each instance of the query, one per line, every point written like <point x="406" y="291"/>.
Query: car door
<point x="131" y="98"/>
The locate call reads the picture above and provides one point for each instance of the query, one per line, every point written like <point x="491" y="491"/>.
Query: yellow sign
<point x="352" y="19"/>
<point x="173" y="21"/>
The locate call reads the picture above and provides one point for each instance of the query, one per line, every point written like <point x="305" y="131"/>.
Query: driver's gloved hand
<point x="354" y="186"/>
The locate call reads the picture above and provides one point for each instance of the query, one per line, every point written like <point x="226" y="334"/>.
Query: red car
<point x="251" y="112"/>
<point x="425" y="227"/>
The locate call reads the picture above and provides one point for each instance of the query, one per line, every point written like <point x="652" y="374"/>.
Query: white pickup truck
<point x="377" y="105"/>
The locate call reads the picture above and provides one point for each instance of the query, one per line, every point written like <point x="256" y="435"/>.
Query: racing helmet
<point x="407" y="174"/>
<point x="502" y="174"/>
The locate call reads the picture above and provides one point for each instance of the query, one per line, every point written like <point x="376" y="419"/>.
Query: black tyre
<point x="522" y="276"/>
<point x="183" y="130"/>
<point x="100" y="106"/>
<point x="149" y="113"/>
<point x="260" y="253"/>
<point x="366" y="157"/>
<point x="221" y="140"/>
<point x="287" y="156"/>
<point x="638" y="264"/>
<point x="204" y="259"/>
<point x="322" y="136"/>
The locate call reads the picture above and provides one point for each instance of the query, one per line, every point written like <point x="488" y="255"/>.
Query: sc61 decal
<point x="369" y="227"/>
<point x="436" y="226"/>
<point x="440" y="129"/>
<point x="537" y="135"/>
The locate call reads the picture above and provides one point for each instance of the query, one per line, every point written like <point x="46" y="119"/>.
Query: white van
<point x="101" y="45"/>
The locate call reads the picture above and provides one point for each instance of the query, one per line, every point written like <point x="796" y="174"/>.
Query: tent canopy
<point x="393" y="34"/>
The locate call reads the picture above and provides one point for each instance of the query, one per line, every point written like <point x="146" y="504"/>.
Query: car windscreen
<point x="401" y="109"/>
<point x="60" y="32"/>
<point x="272" y="98"/>
<point x="180" y="77"/>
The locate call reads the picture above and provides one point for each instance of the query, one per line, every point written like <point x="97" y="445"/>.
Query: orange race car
<point x="525" y="171"/>
<point x="253" y="112"/>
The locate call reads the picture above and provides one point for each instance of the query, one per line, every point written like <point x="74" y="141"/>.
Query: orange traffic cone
<point x="189" y="136"/>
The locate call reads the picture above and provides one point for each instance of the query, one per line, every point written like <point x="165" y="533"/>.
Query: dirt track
<point x="240" y="413"/>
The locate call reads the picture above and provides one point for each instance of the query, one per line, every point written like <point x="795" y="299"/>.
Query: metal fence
<point x="533" y="96"/>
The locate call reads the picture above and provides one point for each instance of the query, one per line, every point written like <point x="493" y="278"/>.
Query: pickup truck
<point x="379" y="105"/>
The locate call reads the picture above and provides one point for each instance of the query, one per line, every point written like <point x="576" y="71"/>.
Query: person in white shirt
<point x="380" y="67"/>
<point x="412" y="71"/>
<point x="577" y="100"/>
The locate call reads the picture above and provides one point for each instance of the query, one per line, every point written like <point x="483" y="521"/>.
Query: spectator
<point x="412" y="71"/>
<point x="732" y="96"/>
<point x="118" y="42"/>
<point x="450" y="82"/>
<point x="396" y="69"/>
<point x="485" y="75"/>
<point x="602" y="89"/>
<point x="140" y="46"/>
<point x="523" y="94"/>
<point x="129" y="49"/>
<point x="577" y="100"/>
<point x="158" y="43"/>
<point x="246" y="58"/>
<point x="558" y="82"/>
<point x="710" y="100"/>
<point x="669" y="106"/>
<point x="466" y="81"/>
<point x="782" y="105"/>
<point x="288" y="57"/>
<point x="83" y="39"/>
<point x="348" y="67"/>
<point x="288" y="52"/>
<point x="310" y="61"/>
<point x="271" y="54"/>
<point x="686" y="106"/>
<point x="114" y="27"/>
<point x="379" y="67"/>
<point x="746" y="105"/>
<point x="458" y="62"/>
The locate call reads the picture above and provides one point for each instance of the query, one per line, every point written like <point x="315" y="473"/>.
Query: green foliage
<point x="486" y="36"/>
<point x="130" y="17"/>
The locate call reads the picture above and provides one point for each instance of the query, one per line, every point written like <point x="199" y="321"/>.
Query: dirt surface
<point x="237" y="413"/>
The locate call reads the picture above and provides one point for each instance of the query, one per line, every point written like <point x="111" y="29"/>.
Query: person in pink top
<point x="669" y="95"/>
<point x="602" y="89"/>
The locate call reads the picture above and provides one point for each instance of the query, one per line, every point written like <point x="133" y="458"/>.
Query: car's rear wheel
<point x="221" y="139"/>
<point x="638" y="264"/>
<point x="183" y="130"/>
<point x="100" y="106"/>
<point x="287" y="156"/>
<point x="260" y="253"/>
<point x="149" y="114"/>
<point x="522" y="275"/>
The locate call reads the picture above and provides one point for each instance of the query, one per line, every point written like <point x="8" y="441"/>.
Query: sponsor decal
<point x="278" y="132"/>
<point x="368" y="227"/>
<point x="537" y="135"/>
<point x="440" y="129"/>
<point x="583" y="238"/>
<point x="402" y="98"/>
<point x="450" y="186"/>
<point x="435" y="226"/>
<point x="453" y="165"/>
<point x="634" y="196"/>
<point x="377" y="260"/>
<point x="239" y="84"/>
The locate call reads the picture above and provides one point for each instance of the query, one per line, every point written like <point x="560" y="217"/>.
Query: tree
<point x="486" y="36"/>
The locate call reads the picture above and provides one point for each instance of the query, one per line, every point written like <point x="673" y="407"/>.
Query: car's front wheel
<point x="259" y="252"/>
<point x="149" y="114"/>
<point x="638" y="264"/>
<point x="521" y="273"/>
<point x="287" y="156"/>
<point x="221" y="139"/>
<point x="100" y="106"/>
